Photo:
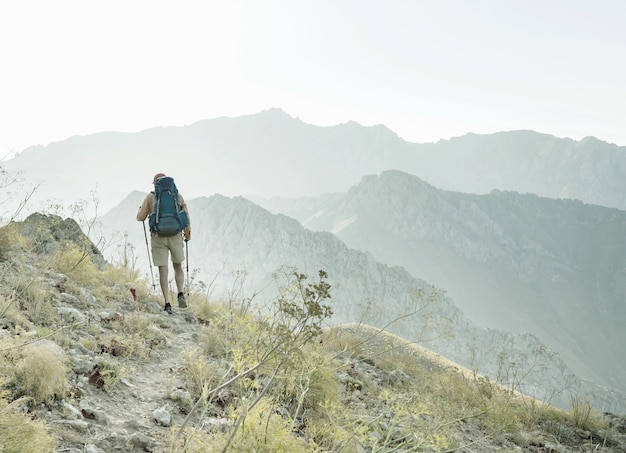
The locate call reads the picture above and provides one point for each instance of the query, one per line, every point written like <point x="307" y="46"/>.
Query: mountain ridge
<point x="521" y="256"/>
<point x="271" y="154"/>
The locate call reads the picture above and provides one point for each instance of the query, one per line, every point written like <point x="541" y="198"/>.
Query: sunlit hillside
<point x="90" y="362"/>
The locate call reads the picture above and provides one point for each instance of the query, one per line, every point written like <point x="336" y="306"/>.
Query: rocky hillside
<point x="89" y="362"/>
<point x="515" y="262"/>
<point x="238" y="247"/>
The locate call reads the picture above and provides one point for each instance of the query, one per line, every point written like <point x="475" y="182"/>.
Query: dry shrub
<point x="20" y="434"/>
<point x="120" y="275"/>
<point x="262" y="430"/>
<point x="342" y="339"/>
<point x="33" y="299"/>
<point x="10" y="314"/>
<point x="76" y="263"/>
<point x="213" y="342"/>
<point x="206" y="311"/>
<point x="42" y="372"/>
<point x="311" y="384"/>
<point x="10" y="239"/>
<point x="200" y="373"/>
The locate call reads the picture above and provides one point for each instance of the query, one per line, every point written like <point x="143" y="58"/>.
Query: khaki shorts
<point x="162" y="246"/>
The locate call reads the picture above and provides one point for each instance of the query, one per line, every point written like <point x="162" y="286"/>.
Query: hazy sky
<point x="427" y="69"/>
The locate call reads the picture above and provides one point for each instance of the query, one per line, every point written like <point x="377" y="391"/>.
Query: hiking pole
<point x="149" y="260"/>
<point x="187" y="260"/>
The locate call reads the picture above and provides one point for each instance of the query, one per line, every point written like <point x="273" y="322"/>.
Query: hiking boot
<point x="182" y="303"/>
<point x="168" y="308"/>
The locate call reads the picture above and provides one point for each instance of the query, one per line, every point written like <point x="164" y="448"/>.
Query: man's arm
<point x="184" y="206"/>
<point x="186" y="231"/>
<point x="146" y="207"/>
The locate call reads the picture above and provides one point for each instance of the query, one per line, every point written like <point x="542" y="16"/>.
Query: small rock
<point x="71" y="313"/>
<point x="141" y="441"/>
<point x="153" y="307"/>
<point x="72" y="412"/>
<point x="93" y="414"/>
<point x="110" y="315"/>
<point x="88" y="296"/>
<point x="96" y="379"/>
<point x="79" y="349"/>
<point x="78" y="425"/>
<point x="58" y="280"/>
<point x="69" y="299"/>
<point x="216" y="424"/>
<point x="125" y="382"/>
<point x="162" y="417"/>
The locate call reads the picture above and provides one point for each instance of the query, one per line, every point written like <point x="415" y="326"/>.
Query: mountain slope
<point x="510" y="261"/>
<point x="237" y="246"/>
<point x="90" y="362"/>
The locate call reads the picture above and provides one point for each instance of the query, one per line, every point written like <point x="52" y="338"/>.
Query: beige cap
<point x="157" y="176"/>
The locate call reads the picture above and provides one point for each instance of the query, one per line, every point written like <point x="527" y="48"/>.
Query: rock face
<point x="237" y="247"/>
<point x="51" y="230"/>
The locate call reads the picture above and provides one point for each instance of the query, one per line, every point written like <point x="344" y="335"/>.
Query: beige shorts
<point x="162" y="246"/>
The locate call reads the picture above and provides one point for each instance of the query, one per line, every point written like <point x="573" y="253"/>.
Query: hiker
<point x="167" y="243"/>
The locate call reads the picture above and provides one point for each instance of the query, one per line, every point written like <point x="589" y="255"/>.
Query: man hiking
<point x="169" y="224"/>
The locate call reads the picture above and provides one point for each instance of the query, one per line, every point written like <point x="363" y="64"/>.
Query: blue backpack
<point x="168" y="217"/>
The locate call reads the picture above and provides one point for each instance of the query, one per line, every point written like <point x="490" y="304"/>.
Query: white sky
<point x="427" y="69"/>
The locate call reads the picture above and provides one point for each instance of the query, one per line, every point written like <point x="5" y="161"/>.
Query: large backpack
<point x="167" y="217"/>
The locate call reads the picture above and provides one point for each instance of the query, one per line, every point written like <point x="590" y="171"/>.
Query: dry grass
<point x="41" y="372"/>
<point x="20" y="434"/>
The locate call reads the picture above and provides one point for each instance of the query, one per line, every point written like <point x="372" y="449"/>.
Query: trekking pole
<point x="149" y="260"/>
<point x="187" y="260"/>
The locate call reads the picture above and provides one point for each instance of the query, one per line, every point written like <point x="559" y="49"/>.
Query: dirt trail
<point x="143" y="386"/>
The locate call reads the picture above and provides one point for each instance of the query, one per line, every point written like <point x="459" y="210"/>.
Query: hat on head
<point x="157" y="176"/>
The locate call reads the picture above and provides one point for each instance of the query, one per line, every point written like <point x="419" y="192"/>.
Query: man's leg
<point x="178" y="256"/>
<point x="179" y="276"/>
<point x="160" y="255"/>
<point x="163" y="276"/>
<point x="163" y="271"/>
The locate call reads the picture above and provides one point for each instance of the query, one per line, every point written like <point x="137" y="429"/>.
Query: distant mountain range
<point x="272" y="154"/>
<point x="387" y="219"/>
